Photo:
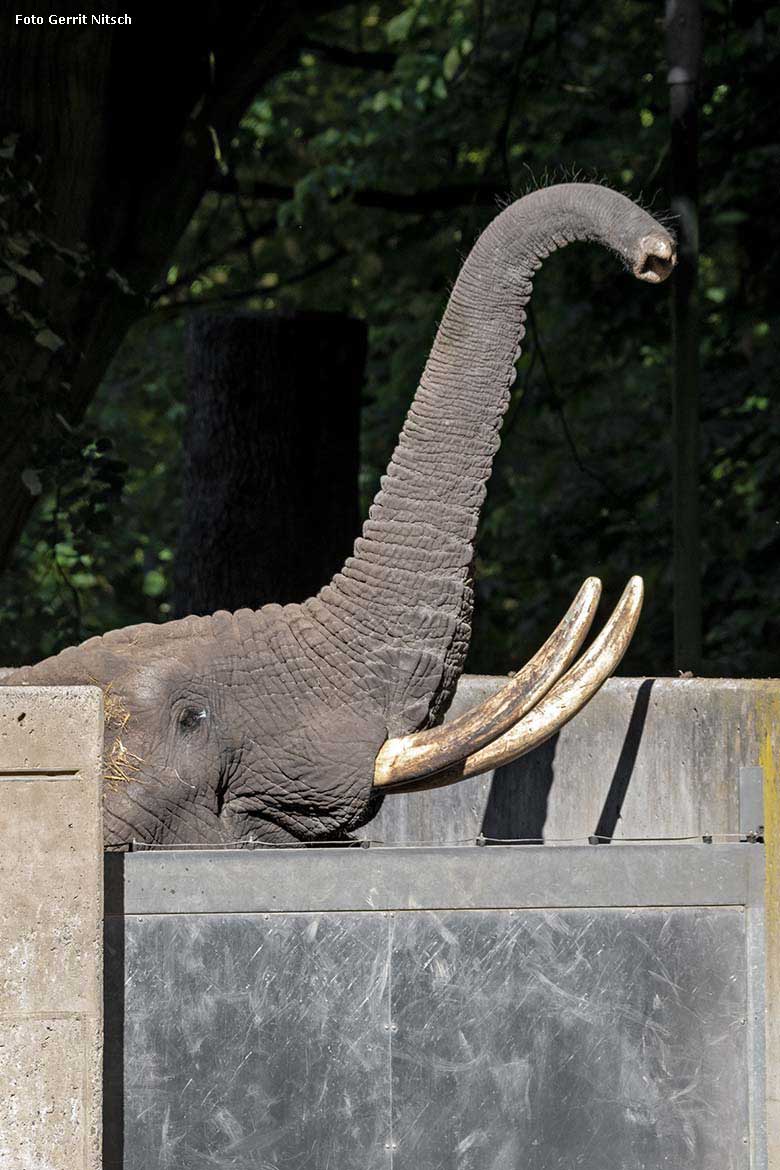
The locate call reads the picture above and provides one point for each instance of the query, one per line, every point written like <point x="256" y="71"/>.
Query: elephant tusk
<point x="560" y="704"/>
<point x="425" y="753"/>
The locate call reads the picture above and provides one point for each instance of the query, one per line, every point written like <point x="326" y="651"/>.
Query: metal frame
<point x="497" y="877"/>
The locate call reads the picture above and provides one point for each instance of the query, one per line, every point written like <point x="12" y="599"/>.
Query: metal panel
<point x="597" y="1007"/>
<point x="277" y="880"/>
<point x="599" y="1040"/>
<point x="755" y="959"/>
<point x="254" y="1043"/>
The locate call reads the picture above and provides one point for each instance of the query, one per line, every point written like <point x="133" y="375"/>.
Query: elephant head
<point x="290" y="723"/>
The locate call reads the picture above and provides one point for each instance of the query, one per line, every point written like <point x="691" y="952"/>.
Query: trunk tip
<point x="656" y="258"/>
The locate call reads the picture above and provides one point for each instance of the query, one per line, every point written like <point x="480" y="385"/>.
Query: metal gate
<point x="544" y="1008"/>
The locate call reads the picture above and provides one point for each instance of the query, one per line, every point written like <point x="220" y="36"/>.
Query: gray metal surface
<point x="274" y="880"/>
<point x="596" y="1040"/>
<point x="756" y="964"/>
<point x="277" y="1033"/>
<point x="252" y="1043"/>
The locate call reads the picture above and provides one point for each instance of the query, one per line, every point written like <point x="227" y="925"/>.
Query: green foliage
<point x="98" y="552"/>
<point x="495" y="97"/>
<point x="46" y="599"/>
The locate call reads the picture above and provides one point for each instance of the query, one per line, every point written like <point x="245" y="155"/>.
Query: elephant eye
<point x="191" y="717"/>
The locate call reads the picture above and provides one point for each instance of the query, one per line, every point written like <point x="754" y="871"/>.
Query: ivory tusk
<point x="424" y="753"/>
<point x="560" y="704"/>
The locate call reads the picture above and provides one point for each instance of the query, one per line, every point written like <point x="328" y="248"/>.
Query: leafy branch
<point x="447" y="197"/>
<point x="244" y="294"/>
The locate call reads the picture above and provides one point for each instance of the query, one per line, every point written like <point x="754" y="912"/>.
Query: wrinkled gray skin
<point x="265" y="724"/>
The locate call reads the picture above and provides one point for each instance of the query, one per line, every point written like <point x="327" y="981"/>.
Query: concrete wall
<point x="770" y="763"/>
<point x="646" y="758"/>
<point x="51" y="869"/>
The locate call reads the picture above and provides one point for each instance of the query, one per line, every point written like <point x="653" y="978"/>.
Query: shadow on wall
<point x="516" y="808"/>
<point x="613" y="805"/>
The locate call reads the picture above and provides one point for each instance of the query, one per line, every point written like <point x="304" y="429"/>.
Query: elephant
<point x="290" y="724"/>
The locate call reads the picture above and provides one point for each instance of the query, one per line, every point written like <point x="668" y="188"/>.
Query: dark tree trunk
<point x="683" y="40"/>
<point x="116" y="130"/>
<point x="270" y="500"/>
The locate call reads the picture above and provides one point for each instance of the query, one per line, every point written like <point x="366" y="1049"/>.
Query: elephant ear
<point x="403" y="602"/>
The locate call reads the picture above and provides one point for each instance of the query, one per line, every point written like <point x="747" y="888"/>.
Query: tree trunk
<point x="683" y="38"/>
<point x="116" y="129"/>
<point x="271" y="457"/>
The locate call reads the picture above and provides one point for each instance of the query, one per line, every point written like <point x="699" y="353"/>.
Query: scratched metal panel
<point x="595" y="1039"/>
<point x="255" y="1043"/>
<point x="601" y="1038"/>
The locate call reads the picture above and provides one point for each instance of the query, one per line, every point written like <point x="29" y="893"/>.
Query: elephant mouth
<point x="297" y="824"/>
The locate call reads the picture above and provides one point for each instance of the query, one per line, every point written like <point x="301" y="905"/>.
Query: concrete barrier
<point x="51" y="910"/>
<point x="647" y="758"/>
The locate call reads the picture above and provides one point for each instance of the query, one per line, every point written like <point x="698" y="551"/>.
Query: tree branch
<point x="557" y="405"/>
<point x="243" y="294"/>
<point x="502" y="136"/>
<point x="444" y="198"/>
<point x="382" y="61"/>
<point x="261" y="232"/>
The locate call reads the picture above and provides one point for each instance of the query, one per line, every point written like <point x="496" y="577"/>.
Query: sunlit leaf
<point x="49" y="340"/>
<point x="154" y="583"/>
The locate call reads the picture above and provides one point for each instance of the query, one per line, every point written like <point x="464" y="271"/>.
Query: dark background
<point x="343" y="157"/>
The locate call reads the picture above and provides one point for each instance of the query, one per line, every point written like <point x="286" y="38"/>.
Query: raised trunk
<point x="270" y="457"/>
<point x="404" y="599"/>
